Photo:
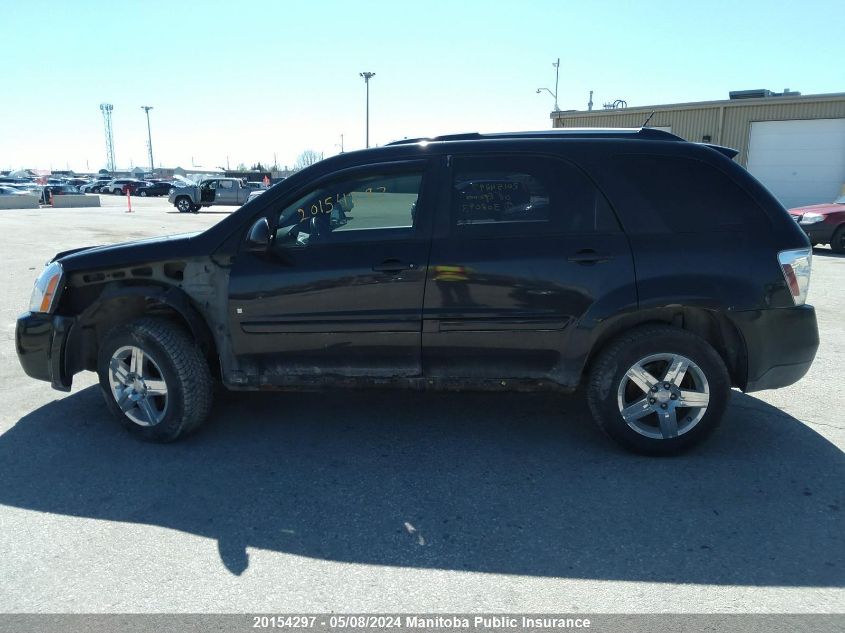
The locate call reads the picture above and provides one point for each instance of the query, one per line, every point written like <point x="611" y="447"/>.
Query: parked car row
<point x="44" y="192"/>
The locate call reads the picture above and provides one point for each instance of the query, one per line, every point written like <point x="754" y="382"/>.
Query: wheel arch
<point x="713" y="327"/>
<point x="121" y="303"/>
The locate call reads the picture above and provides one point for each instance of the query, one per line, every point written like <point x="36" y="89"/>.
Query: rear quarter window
<point x="674" y="194"/>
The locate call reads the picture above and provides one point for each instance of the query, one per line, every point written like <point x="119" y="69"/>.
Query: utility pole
<point x="367" y="76"/>
<point x="149" y="137"/>
<point x="557" y="78"/>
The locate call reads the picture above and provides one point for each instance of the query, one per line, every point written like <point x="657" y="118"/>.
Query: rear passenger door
<point x="226" y="192"/>
<point x="527" y="257"/>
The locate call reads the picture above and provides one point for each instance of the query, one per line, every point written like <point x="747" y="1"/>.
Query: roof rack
<point x="569" y="132"/>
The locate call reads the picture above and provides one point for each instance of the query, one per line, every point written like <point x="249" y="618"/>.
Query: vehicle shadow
<point x="500" y="483"/>
<point x="827" y="252"/>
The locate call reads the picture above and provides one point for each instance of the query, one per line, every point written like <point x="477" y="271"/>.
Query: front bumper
<point x="819" y="233"/>
<point x="780" y="345"/>
<point x="41" y="343"/>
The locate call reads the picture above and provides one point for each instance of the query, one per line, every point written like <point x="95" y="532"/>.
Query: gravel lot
<point x="403" y="501"/>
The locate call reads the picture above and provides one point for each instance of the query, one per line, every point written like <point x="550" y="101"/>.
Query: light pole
<point x="557" y="77"/>
<point x="149" y="137"/>
<point x="367" y="76"/>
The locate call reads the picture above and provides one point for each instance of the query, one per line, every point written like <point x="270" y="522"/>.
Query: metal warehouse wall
<point x="726" y="122"/>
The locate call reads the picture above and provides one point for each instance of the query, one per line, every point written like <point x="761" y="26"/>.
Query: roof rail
<point x="569" y="132"/>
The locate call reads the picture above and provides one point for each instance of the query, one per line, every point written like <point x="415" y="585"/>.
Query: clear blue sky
<point x="247" y="80"/>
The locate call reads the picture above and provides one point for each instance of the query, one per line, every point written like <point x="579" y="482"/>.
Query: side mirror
<point x="258" y="239"/>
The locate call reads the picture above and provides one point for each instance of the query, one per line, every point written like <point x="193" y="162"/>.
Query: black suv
<point x="654" y="272"/>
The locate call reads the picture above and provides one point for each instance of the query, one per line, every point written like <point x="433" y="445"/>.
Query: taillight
<point x="795" y="265"/>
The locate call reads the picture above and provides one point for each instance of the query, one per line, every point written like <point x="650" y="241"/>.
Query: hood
<point x="829" y="207"/>
<point x="129" y="253"/>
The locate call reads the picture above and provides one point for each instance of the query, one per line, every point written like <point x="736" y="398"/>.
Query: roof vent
<point x="758" y="93"/>
<point x="762" y="93"/>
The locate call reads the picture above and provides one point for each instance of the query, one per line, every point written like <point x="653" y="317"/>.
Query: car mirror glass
<point x="258" y="239"/>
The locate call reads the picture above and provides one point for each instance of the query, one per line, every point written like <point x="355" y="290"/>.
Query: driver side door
<point x="340" y="290"/>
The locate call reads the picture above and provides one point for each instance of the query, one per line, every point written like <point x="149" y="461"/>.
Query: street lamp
<point x="367" y="76"/>
<point x="557" y="77"/>
<point x="149" y="137"/>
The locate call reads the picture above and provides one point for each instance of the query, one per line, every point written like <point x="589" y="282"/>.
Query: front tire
<point x="658" y="390"/>
<point x="143" y="194"/>
<point x="184" y="204"/>
<point x="837" y="242"/>
<point x="154" y="379"/>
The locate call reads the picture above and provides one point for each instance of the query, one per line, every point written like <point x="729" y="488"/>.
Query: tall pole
<point x="557" y="77"/>
<point x="149" y="137"/>
<point x="367" y="76"/>
<point x="106" y="109"/>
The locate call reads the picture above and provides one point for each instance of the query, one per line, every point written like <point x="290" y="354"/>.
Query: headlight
<point x="46" y="289"/>
<point x="811" y="218"/>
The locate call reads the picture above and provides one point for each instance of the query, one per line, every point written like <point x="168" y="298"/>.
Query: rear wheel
<point x="154" y="379"/>
<point x="837" y="242"/>
<point x="658" y="390"/>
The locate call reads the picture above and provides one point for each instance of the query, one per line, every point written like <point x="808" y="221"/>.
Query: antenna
<point x="106" y="109"/>
<point x="648" y="118"/>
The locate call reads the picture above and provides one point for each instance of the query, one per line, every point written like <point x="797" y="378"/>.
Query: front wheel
<point x="184" y="204"/>
<point x="837" y="242"/>
<point x="143" y="194"/>
<point x="154" y="379"/>
<point x="658" y="390"/>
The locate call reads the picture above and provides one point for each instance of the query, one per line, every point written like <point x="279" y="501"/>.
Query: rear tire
<point x="638" y="401"/>
<point x="837" y="242"/>
<point x="154" y="379"/>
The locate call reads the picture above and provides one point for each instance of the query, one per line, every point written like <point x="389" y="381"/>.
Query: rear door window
<point x="525" y="195"/>
<point x="674" y="194"/>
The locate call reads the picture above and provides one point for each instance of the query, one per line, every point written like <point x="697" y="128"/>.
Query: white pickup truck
<point x="191" y="198"/>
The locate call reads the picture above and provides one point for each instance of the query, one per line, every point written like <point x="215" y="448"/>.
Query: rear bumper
<point x="780" y="344"/>
<point x="41" y="341"/>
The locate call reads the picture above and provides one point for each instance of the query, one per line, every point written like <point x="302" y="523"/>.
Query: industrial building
<point x="793" y="143"/>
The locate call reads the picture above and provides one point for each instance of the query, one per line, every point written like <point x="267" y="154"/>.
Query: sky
<point x="234" y="82"/>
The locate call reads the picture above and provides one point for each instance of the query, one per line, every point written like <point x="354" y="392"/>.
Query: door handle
<point x="588" y="256"/>
<point x="393" y="266"/>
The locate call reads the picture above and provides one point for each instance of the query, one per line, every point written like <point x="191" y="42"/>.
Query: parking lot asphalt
<point x="415" y="502"/>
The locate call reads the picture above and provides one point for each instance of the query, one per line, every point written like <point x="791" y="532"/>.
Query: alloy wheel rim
<point x="663" y="396"/>
<point x="138" y="386"/>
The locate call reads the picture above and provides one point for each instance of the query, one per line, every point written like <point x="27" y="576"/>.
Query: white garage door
<point x="801" y="162"/>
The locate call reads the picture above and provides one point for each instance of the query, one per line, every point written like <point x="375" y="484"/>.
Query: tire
<point x="196" y="208"/>
<point x="837" y="242"/>
<point x="184" y="204"/>
<point x="143" y="194"/>
<point x="173" y="396"/>
<point x="615" y="385"/>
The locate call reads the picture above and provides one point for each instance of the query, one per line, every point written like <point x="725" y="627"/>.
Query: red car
<point x="823" y="223"/>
